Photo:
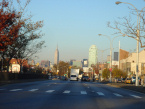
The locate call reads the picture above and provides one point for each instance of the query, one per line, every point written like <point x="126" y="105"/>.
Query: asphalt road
<point x="56" y="94"/>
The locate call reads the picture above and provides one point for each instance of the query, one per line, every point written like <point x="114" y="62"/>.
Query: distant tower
<point x="56" y="57"/>
<point x="92" y="55"/>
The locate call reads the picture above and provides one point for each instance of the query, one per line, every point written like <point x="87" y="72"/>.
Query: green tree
<point x="118" y="73"/>
<point x="106" y="73"/>
<point x="63" y="68"/>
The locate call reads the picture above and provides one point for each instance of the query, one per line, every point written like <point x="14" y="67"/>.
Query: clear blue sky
<point x="75" y="24"/>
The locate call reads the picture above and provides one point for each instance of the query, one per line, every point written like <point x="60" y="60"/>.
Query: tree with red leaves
<point x="17" y="34"/>
<point x="9" y="25"/>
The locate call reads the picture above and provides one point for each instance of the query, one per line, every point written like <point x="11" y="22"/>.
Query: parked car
<point x="128" y="81"/>
<point x="85" y="78"/>
<point x="123" y="80"/>
<point x="133" y="79"/>
<point x="118" y="80"/>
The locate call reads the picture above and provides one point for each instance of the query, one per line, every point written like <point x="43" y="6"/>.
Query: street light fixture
<point x="137" y="36"/>
<point x="118" y="2"/>
<point x="111" y="44"/>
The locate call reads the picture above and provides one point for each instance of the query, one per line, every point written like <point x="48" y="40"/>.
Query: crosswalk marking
<point x="16" y="89"/>
<point x="135" y="96"/>
<point x="50" y="91"/>
<point x="117" y="94"/>
<point x="83" y="92"/>
<point x="66" y="91"/>
<point x="100" y="93"/>
<point x="32" y="90"/>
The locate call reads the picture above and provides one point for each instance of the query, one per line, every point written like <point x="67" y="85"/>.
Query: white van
<point x="73" y="78"/>
<point x="74" y="73"/>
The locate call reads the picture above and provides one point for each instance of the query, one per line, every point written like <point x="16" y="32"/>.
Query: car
<point x="85" y="78"/>
<point x="133" y="79"/>
<point x="128" y="81"/>
<point x="123" y="80"/>
<point x="73" y="78"/>
<point x="118" y="80"/>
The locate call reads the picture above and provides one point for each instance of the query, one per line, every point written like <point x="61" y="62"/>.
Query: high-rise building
<point x="71" y="61"/>
<point x="92" y="55"/>
<point x="116" y="56"/>
<point x="45" y="63"/>
<point x="56" y="56"/>
<point x="85" y="63"/>
<point x="77" y="63"/>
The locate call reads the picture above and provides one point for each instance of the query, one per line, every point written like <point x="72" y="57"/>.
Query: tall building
<point x="56" y="56"/>
<point x="77" y="63"/>
<point x="71" y="61"/>
<point x="45" y="63"/>
<point x="116" y="56"/>
<point x="92" y="55"/>
<point x="85" y="63"/>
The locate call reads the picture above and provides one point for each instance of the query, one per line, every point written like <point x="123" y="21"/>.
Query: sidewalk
<point x="140" y="88"/>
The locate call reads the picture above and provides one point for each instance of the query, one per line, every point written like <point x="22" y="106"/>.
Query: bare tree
<point x="127" y="27"/>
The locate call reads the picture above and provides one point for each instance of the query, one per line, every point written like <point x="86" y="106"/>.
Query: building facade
<point x="129" y="64"/>
<point x="92" y="56"/>
<point x="85" y="63"/>
<point x="116" y="56"/>
<point x="45" y="64"/>
<point x="77" y="63"/>
<point x="56" y="56"/>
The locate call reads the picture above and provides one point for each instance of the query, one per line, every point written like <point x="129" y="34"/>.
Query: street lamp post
<point x="111" y="43"/>
<point x="102" y="60"/>
<point x="137" y="36"/>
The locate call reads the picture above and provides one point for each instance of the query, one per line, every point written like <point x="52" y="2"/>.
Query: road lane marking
<point x="83" y="92"/>
<point x="100" y="93"/>
<point x="135" y="96"/>
<point x="117" y="94"/>
<point x="66" y="91"/>
<point x="16" y="90"/>
<point x="32" y="90"/>
<point x="50" y="91"/>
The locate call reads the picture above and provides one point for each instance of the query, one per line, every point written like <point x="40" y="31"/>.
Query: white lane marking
<point x="100" y="93"/>
<point x="66" y="91"/>
<point x="135" y="96"/>
<point x="32" y="90"/>
<point x="50" y="91"/>
<point x="117" y="94"/>
<point x="83" y="92"/>
<point x="16" y="89"/>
